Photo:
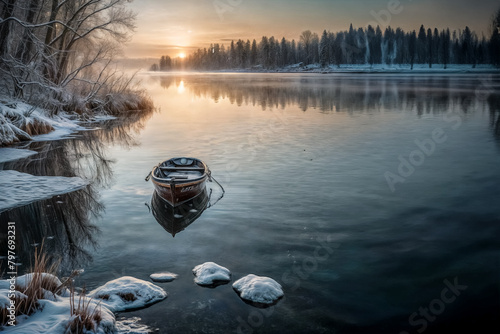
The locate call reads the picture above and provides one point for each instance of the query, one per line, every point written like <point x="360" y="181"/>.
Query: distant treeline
<point x="354" y="46"/>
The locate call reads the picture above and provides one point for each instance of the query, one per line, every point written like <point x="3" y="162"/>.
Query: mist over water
<point x="364" y="196"/>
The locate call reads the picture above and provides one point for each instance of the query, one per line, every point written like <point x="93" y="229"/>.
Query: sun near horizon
<point x="165" y="27"/>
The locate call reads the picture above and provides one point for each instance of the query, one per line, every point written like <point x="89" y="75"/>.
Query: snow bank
<point x="163" y="277"/>
<point x="127" y="293"/>
<point x="211" y="274"/>
<point x="53" y="315"/>
<point x="24" y="280"/>
<point x="4" y="297"/>
<point x="17" y="189"/>
<point x="10" y="131"/>
<point x="258" y="289"/>
<point x="11" y="154"/>
<point x="49" y="280"/>
<point x="20" y="121"/>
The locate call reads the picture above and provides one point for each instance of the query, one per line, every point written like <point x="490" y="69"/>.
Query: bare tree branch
<point x="38" y="25"/>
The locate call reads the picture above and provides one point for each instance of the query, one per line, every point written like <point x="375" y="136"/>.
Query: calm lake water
<point x="372" y="199"/>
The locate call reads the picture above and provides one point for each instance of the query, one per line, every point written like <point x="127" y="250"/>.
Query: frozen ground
<point x="17" y="189"/>
<point x="20" y="121"/>
<point x="53" y="314"/>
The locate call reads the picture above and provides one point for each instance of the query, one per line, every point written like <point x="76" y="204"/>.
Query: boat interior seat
<point x="183" y="174"/>
<point x="184" y="162"/>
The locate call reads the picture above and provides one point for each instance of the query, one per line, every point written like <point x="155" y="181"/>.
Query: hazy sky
<point x="174" y="26"/>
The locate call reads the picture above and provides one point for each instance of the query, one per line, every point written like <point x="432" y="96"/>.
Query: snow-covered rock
<point x="211" y="274"/>
<point x="24" y="280"/>
<point x="163" y="277"/>
<point x="11" y="154"/>
<point x="127" y="293"/>
<point x="17" y="189"/>
<point x="258" y="289"/>
<point x="49" y="280"/>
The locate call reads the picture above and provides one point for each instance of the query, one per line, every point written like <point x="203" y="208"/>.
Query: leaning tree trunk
<point x="49" y="70"/>
<point x="25" y="49"/>
<point x="5" y="26"/>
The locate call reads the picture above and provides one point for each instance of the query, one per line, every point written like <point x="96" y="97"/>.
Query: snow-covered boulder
<point x="49" y="279"/>
<point x="258" y="289"/>
<point x="128" y="293"/>
<point x="50" y="283"/>
<point x="210" y="274"/>
<point x="163" y="277"/>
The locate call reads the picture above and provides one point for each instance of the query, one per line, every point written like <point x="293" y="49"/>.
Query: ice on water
<point x="17" y="189"/>
<point x="11" y="154"/>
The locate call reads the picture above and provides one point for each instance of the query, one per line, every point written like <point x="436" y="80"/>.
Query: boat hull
<point x="176" y="193"/>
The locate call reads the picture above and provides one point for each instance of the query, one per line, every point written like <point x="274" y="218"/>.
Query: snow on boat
<point x="179" y="180"/>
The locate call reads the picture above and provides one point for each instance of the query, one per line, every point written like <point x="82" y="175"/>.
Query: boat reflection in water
<point x="175" y="219"/>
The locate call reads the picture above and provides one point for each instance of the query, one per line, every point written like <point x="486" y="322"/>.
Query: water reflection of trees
<point x="64" y="223"/>
<point x="494" y="106"/>
<point x="342" y="93"/>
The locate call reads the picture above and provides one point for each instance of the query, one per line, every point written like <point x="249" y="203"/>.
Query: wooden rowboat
<point x="178" y="180"/>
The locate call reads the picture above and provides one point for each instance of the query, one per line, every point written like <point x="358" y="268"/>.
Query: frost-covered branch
<point x="38" y="25"/>
<point x="59" y="53"/>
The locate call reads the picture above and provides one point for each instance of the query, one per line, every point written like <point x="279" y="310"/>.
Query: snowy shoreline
<point x="418" y="69"/>
<point x="55" y="312"/>
<point x="23" y="123"/>
<point x="20" y="122"/>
